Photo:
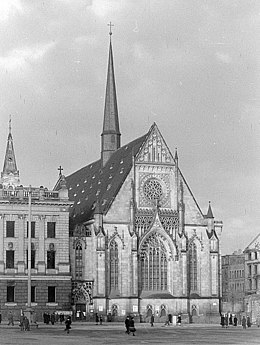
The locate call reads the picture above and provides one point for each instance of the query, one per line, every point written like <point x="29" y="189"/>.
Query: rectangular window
<point x="32" y="229"/>
<point x="51" y="294"/>
<point x="10" y="293"/>
<point x="32" y="258"/>
<point x="10" y="259"/>
<point x="50" y="259"/>
<point x="33" y="294"/>
<point x="51" y="229"/>
<point x="10" y="228"/>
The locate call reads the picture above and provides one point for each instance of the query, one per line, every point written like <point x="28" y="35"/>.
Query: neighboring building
<point x="139" y="240"/>
<point x="252" y="274"/>
<point x="50" y="267"/>
<point x="233" y="282"/>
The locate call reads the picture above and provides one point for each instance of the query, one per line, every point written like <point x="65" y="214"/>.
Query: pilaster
<point x="41" y="260"/>
<point x="21" y="235"/>
<point x="2" y="222"/>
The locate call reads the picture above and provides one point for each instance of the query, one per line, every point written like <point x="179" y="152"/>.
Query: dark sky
<point x="190" y="66"/>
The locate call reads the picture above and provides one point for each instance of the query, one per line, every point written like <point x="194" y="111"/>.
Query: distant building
<point x="252" y="274"/>
<point x="50" y="266"/>
<point x="233" y="282"/>
<point x="139" y="242"/>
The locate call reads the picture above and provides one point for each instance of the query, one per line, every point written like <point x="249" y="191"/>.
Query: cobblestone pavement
<point x="91" y="334"/>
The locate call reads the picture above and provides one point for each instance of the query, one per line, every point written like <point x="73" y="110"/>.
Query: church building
<point x="139" y="242"/>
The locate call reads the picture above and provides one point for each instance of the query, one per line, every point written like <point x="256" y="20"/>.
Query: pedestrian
<point x="258" y="320"/>
<point x="235" y="320"/>
<point x="10" y="319"/>
<point x="248" y="321"/>
<point x="179" y="320"/>
<point x="244" y="322"/>
<point x="97" y="319"/>
<point x="222" y="320"/>
<point x="68" y="324"/>
<point x="26" y="324"/>
<point x="127" y="324"/>
<point x="100" y="319"/>
<point x="226" y="320"/>
<point x="47" y="318"/>
<point x="53" y="318"/>
<point x="132" y="326"/>
<point x="230" y="319"/>
<point x="21" y="324"/>
<point x="152" y="320"/>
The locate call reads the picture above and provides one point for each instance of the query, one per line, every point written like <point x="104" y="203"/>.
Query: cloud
<point x="22" y="57"/>
<point x="101" y="8"/>
<point x="9" y="8"/>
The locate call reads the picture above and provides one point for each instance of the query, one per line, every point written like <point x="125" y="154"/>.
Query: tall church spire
<point x="110" y="137"/>
<point x="10" y="174"/>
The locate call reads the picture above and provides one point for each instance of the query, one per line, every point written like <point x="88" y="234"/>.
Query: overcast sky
<point x="190" y="66"/>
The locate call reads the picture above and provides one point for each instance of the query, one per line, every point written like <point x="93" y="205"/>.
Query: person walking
<point x="100" y="320"/>
<point x="179" y="320"/>
<point x="97" y="319"/>
<point x="53" y="318"/>
<point x="244" y="322"/>
<point x="132" y="325"/>
<point x="248" y="321"/>
<point x="152" y="320"/>
<point x="230" y="319"/>
<point x="21" y="324"/>
<point x="68" y="324"/>
<point x="10" y="319"/>
<point x="127" y="324"/>
<point x="235" y="320"/>
<point x="222" y="320"/>
<point x="26" y="324"/>
<point x="226" y="320"/>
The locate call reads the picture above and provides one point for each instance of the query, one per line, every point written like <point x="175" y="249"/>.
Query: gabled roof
<point x="93" y="184"/>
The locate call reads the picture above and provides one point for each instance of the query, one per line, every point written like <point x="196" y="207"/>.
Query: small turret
<point x="10" y="173"/>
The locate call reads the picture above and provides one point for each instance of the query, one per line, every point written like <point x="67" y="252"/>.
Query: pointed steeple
<point x="10" y="174"/>
<point x="210" y="213"/>
<point x="110" y="137"/>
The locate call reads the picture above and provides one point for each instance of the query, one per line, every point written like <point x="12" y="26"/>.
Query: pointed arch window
<point x="113" y="265"/>
<point x="78" y="261"/>
<point x="154" y="265"/>
<point x="193" y="262"/>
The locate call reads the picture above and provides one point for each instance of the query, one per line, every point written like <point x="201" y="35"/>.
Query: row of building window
<point x="51" y="229"/>
<point x="10" y="294"/>
<point x="236" y="274"/>
<point x="50" y="259"/>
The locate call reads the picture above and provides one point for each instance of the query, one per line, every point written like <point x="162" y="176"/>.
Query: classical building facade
<point x="233" y="282"/>
<point x="50" y="266"/>
<point x="139" y="242"/>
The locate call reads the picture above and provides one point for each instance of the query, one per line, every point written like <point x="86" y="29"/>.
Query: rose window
<point x="153" y="190"/>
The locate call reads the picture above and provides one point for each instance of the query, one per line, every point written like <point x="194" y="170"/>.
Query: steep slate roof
<point x="91" y="184"/>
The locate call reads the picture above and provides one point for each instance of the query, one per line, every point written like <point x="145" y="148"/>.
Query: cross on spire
<point x="110" y="28"/>
<point x="60" y="170"/>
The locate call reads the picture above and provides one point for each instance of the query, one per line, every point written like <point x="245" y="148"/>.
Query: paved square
<point x="91" y="334"/>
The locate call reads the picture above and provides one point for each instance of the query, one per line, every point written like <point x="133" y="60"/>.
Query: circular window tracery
<point x="153" y="190"/>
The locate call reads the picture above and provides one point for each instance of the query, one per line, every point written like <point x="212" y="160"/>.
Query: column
<point x="41" y="254"/>
<point x="2" y="227"/>
<point x="21" y="235"/>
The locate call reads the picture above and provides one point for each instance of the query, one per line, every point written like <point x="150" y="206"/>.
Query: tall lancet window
<point x="193" y="267"/>
<point x="154" y="265"/>
<point x="113" y="265"/>
<point x="78" y="261"/>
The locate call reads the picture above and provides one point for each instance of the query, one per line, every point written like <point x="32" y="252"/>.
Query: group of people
<point x="24" y="323"/>
<point x="130" y="325"/>
<point x="228" y="320"/>
<point x="53" y="318"/>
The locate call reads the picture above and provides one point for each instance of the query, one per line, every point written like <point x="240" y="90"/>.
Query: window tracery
<point x="113" y="265"/>
<point x="193" y="267"/>
<point x="154" y="264"/>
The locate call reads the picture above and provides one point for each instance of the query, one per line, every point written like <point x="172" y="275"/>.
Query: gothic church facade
<point x="139" y="242"/>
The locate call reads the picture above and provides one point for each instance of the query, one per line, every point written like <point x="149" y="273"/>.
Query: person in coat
<point x="132" y="325"/>
<point x="127" y="324"/>
<point x="222" y="320"/>
<point x="235" y="320"/>
<point x="179" y="320"/>
<point x="53" y="318"/>
<point x="152" y="320"/>
<point x="244" y="322"/>
<point x="67" y="324"/>
<point x="97" y="319"/>
<point x="248" y="321"/>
